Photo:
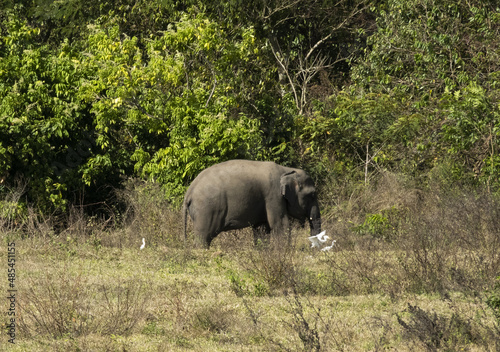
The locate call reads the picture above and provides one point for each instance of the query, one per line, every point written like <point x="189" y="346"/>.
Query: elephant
<point x="240" y="193"/>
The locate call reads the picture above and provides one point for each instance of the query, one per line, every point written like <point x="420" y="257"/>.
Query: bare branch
<point x="213" y="89"/>
<point x="307" y="63"/>
<point x="354" y="12"/>
<point x="286" y="71"/>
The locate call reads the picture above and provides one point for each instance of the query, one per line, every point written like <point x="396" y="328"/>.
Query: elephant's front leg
<point x="279" y="225"/>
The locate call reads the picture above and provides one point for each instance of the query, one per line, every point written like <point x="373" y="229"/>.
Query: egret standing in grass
<point x="143" y="243"/>
<point x="318" y="240"/>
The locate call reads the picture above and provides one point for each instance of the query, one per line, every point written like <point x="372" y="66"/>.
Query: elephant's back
<point x="234" y="175"/>
<point x="242" y="169"/>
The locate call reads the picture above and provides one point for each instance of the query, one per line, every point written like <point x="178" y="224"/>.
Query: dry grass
<point x="149" y="215"/>
<point x="61" y="305"/>
<point x="411" y="271"/>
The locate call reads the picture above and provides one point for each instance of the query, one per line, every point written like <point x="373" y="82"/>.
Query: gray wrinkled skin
<point x="242" y="193"/>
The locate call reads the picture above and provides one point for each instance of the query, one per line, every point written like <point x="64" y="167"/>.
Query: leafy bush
<point x="425" y="92"/>
<point x="79" y="116"/>
<point x="161" y="91"/>
<point x="42" y="121"/>
<point x="376" y="225"/>
<point x="154" y="114"/>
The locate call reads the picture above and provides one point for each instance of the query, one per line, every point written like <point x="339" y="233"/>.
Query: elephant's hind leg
<point x="206" y="227"/>
<point x="204" y="236"/>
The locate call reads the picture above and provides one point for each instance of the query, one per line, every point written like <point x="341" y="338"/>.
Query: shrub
<point x="451" y="241"/>
<point x="214" y="319"/>
<point x="149" y="214"/>
<point x="62" y="305"/>
<point x="444" y="332"/>
<point x="268" y="267"/>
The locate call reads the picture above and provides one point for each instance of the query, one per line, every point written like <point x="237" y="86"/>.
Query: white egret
<point x="329" y="247"/>
<point x="143" y="243"/>
<point x="318" y="240"/>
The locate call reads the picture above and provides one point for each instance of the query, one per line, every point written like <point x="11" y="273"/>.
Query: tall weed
<point x="394" y="238"/>
<point x="149" y="215"/>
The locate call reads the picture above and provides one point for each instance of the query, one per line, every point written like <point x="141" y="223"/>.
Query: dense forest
<point x="110" y="108"/>
<point x="95" y="93"/>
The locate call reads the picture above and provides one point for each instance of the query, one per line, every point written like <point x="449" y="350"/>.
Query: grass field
<point x="413" y="275"/>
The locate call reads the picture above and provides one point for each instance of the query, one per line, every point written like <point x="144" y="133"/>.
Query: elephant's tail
<point x="185" y="207"/>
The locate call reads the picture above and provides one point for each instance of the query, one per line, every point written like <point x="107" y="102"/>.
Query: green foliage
<point x="424" y="92"/>
<point x="246" y="284"/>
<point x="40" y="115"/>
<point x="165" y="108"/>
<point x="70" y="19"/>
<point x="92" y="93"/>
<point x="11" y="211"/>
<point x="425" y="46"/>
<point x="374" y="224"/>
<point x="174" y="110"/>
<point x="472" y="129"/>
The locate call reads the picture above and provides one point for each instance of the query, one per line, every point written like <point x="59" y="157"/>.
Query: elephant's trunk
<point x="315" y="220"/>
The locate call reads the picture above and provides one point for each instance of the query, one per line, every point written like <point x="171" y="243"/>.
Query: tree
<point x="305" y="38"/>
<point x="40" y="118"/>
<point x="178" y="108"/>
<point x="424" y="92"/>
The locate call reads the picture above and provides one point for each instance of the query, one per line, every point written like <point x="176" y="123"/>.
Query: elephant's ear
<point x="288" y="183"/>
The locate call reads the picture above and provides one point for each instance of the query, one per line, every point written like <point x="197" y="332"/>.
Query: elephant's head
<point x="300" y="194"/>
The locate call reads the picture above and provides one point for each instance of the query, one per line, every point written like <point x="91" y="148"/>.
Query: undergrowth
<point x="393" y="242"/>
